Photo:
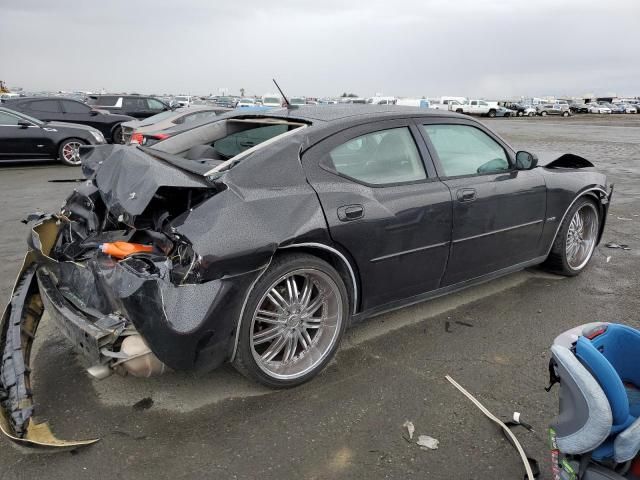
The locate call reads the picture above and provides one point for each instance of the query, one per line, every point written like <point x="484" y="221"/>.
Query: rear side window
<point x="379" y="158"/>
<point x="47" y="106"/>
<point x="74" y="107"/>
<point x="105" y="100"/>
<point x="466" y="150"/>
<point x="134" y="104"/>
<point x="236" y="143"/>
<point x="195" y="117"/>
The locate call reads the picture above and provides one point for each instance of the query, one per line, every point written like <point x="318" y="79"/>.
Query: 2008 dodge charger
<point x="257" y="238"/>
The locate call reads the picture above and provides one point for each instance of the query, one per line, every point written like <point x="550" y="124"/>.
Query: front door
<point x="22" y="141"/>
<point x="384" y="207"/>
<point x="498" y="211"/>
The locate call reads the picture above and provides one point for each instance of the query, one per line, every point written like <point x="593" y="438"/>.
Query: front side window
<point x="48" y="106"/>
<point x="8" y="119"/>
<point x="466" y="150"/>
<point x="379" y="158"/>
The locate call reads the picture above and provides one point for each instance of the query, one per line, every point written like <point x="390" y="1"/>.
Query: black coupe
<point x="26" y="138"/>
<point x="209" y="248"/>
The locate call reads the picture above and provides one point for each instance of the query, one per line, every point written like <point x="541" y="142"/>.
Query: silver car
<point x="134" y="131"/>
<point x="553" y="109"/>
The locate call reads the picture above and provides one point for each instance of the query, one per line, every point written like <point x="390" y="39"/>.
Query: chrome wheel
<point x="71" y="152"/>
<point x="296" y="324"/>
<point x="581" y="236"/>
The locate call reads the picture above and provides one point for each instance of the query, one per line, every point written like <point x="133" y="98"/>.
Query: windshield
<point x="271" y="100"/>
<point x="297" y="101"/>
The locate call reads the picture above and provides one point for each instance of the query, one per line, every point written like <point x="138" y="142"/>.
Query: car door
<point x="78" y="112"/>
<point x="473" y="106"/>
<point x="48" y="110"/>
<point x="498" y="210"/>
<point x="26" y="140"/>
<point x="385" y="207"/>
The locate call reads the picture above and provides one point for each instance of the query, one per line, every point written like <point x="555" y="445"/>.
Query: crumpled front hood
<point x="128" y="178"/>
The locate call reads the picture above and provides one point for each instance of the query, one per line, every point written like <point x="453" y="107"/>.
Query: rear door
<point x="77" y="112"/>
<point x="384" y="207"/>
<point x="498" y="211"/>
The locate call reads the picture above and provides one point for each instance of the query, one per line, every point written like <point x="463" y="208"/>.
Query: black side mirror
<point x="93" y="113"/>
<point x="24" y="124"/>
<point x="526" y="160"/>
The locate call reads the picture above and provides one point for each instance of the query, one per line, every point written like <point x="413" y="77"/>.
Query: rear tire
<point x="116" y="135"/>
<point x="68" y="152"/>
<point x="543" y="113"/>
<point x="565" y="114"/>
<point x="288" y="336"/>
<point x="576" y="240"/>
<point x="492" y="114"/>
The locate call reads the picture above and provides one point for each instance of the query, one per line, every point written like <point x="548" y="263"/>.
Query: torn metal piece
<point x="410" y="428"/>
<point x="428" y="443"/>
<point x="18" y="327"/>
<point x="622" y="246"/>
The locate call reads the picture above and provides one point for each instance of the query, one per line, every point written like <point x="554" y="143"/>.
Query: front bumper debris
<point x="17" y="332"/>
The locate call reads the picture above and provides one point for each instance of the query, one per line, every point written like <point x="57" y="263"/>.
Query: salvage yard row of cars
<point x="49" y="128"/>
<point x="239" y="239"/>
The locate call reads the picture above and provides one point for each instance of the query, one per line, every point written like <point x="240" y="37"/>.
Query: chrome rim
<point x="71" y="152"/>
<point x="296" y="324"/>
<point x="581" y="236"/>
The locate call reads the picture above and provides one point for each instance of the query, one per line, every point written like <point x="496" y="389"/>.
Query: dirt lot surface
<point x="347" y="423"/>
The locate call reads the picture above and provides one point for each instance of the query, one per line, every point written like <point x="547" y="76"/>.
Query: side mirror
<point x="24" y="124"/>
<point x="93" y="113"/>
<point x="526" y="160"/>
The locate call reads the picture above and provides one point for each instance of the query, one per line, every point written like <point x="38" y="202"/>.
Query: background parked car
<point x="61" y="109"/>
<point x="134" y="131"/>
<point x="183" y="100"/>
<point x="136" y="106"/>
<point x="271" y="101"/>
<point x="553" y="109"/>
<point x="579" y="108"/>
<point x="597" y="108"/>
<point x="26" y="138"/>
<point x="245" y="103"/>
<point x="225" y="102"/>
<point x="629" y="108"/>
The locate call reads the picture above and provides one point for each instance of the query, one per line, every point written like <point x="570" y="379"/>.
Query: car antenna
<point x="286" y="100"/>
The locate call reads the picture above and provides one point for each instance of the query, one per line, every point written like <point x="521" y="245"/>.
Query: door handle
<point x="466" y="194"/>
<point x="347" y="213"/>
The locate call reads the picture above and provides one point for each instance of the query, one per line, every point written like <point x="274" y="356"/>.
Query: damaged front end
<point x="120" y="281"/>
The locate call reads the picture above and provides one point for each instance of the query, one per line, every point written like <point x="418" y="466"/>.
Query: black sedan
<point x="26" y="138"/>
<point x="206" y="249"/>
<point x="59" y="109"/>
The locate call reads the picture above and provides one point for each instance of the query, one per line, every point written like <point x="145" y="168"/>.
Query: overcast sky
<point x="489" y="48"/>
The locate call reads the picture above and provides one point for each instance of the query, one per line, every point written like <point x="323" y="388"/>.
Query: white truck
<point x="477" y="107"/>
<point x="448" y="103"/>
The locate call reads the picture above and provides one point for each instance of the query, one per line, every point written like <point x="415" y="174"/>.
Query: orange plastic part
<point x="124" y="249"/>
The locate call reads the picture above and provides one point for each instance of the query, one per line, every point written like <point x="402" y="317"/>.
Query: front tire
<point x="293" y="321"/>
<point x="69" y="151"/>
<point x="565" y="114"/>
<point x="576" y="240"/>
<point x="492" y="114"/>
<point x="543" y="113"/>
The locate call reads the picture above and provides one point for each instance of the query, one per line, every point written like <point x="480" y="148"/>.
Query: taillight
<point x="136" y="138"/>
<point x="151" y="139"/>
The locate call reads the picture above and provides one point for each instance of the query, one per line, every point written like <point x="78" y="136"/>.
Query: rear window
<point x="104" y="100"/>
<point x="236" y="143"/>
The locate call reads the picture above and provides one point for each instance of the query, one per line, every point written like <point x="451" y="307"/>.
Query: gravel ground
<point x="347" y="423"/>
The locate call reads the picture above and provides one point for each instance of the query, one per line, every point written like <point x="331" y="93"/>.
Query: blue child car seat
<point x="597" y="366"/>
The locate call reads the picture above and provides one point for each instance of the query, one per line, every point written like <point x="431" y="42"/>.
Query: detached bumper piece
<point x="17" y="332"/>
